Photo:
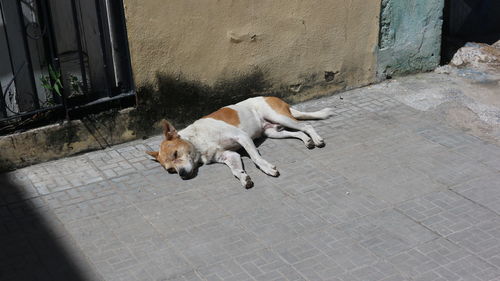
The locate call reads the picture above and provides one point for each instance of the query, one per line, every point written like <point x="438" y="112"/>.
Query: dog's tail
<point x="321" y="114"/>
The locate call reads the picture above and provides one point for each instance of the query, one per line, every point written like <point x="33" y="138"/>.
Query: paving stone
<point x="278" y="221"/>
<point x="214" y="242"/>
<point x="445" y="212"/>
<point x="154" y="142"/>
<point x="482" y="239"/>
<point x="481" y="151"/>
<point x="148" y="185"/>
<point x="258" y="265"/>
<point x="61" y="175"/>
<point x="484" y="190"/>
<point x="190" y="276"/>
<point x="450" y="168"/>
<point x="129" y="226"/>
<point x="16" y="186"/>
<point x="397" y="184"/>
<point x="238" y="200"/>
<point x="331" y="255"/>
<point x="303" y="177"/>
<point x="387" y="233"/>
<point x="442" y="260"/>
<point x="180" y="211"/>
<point x="446" y="137"/>
<point x="341" y="203"/>
<point x="137" y="157"/>
<point x="84" y="201"/>
<point x="111" y="163"/>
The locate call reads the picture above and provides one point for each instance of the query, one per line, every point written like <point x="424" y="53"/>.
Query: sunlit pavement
<point x="400" y="192"/>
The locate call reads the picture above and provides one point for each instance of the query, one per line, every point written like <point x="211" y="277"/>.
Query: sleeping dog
<point x="216" y="137"/>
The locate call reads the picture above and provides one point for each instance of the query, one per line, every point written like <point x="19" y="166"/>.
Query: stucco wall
<point x="292" y="42"/>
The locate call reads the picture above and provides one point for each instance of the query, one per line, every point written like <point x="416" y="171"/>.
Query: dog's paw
<point x="327" y="112"/>
<point x="247" y="182"/>
<point x="270" y="170"/>
<point x="273" y="172"/>
<point x="320" y="143"/>
<point x="310" y="144"/>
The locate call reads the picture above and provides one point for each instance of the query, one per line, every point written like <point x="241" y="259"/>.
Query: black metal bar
<point x="118" y="33"/>
<point x="105" y="99"/>
<point x="31" y="113"/>
<point x="3" y="111"/>
<point x="3" y="104"/>
<point x="76" y="24"/>
<point x="63" y="92"/>
<point x="126" y="48"/>
<point x="52" y="52"/>
<point x="105" y="40"/>
<point x="9" y="50"/>
<point x="36" y="102"/>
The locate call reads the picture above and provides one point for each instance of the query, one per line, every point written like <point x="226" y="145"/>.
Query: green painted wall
<point x="410" y="36"/>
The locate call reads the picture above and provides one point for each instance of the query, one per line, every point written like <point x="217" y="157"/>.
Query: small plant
<point x="75" y="84"/>
<point x="52" y="83"/>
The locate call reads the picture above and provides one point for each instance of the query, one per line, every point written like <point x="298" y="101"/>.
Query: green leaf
<point x="57" y="89"/>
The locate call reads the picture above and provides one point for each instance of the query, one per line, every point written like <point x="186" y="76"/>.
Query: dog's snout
<point x="183" y="173"/>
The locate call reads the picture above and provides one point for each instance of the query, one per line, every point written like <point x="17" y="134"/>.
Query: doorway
<point x="469" y="21"/>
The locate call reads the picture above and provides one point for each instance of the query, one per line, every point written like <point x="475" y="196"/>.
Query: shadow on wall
<point x="182" y="100"/>
<point x="30" y="249"/>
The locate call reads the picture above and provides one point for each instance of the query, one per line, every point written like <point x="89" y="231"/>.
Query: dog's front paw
<point x="320" y="143"/>
<point x="327" y="112"/>
<point x="270" y="170"/>
<point x="310" y="144"/>
<point x="247" y="182"/>
<point x="273" y="172"/>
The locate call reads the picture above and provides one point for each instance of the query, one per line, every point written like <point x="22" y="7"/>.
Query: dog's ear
<point x="153" y="153"/>
<point x="169" y="131"/>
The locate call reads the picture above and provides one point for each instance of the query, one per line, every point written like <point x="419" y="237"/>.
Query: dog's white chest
<point x="210" y="138"/>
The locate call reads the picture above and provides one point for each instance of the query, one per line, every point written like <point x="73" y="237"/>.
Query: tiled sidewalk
<point x="396" y="194"/>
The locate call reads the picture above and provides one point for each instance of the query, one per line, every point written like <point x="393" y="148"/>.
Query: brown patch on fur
<point x="227" y="115"/>
<point x="279" y="106"/>
<point x="170" y="150"/>
<point x="167" y="148"/>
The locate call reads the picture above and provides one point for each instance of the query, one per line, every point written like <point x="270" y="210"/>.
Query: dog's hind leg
<point x="292" y="123"/>
<point x="274" y="133"/>
<point x="233" y="161"/>
<point x="246" y="142"/>
<point x="321" y="114"/>
<point x="282" y="114"/>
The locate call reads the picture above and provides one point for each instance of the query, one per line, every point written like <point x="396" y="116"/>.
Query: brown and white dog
<point x="215" y="137"/>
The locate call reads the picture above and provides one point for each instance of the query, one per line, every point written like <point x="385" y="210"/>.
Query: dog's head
<point x="176" y="155"/>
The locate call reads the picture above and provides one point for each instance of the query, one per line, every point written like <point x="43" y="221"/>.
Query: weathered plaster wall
<point x="410" y="36"/>
<point x="294" y="43"/>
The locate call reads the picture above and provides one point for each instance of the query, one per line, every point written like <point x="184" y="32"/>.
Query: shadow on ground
<point x="30" y="249"/>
